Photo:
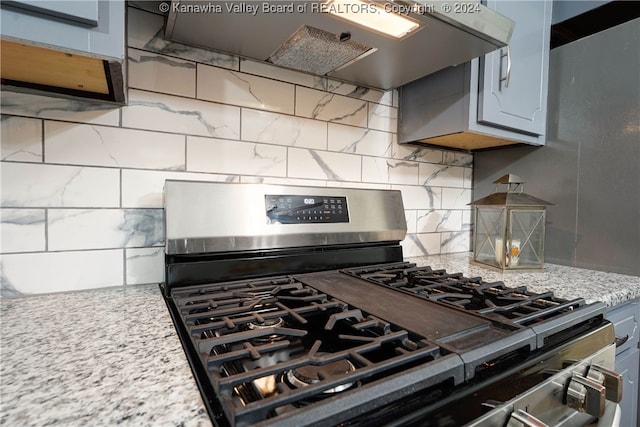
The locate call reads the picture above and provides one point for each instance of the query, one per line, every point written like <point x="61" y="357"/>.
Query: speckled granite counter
<point x="95" y="358"/>
<point x="565" y="282"/>
<point x="111" y="356"/>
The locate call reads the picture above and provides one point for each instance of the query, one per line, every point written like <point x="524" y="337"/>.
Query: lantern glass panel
<point x="525" y="244"/>
<point x="489" y="236"/>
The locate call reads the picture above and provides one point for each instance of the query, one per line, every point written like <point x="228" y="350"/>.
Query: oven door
<point x="585" y="393"/>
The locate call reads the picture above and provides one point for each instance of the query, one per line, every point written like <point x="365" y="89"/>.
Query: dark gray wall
<point x="590" y="166"/>
<point x="566" y="9"/>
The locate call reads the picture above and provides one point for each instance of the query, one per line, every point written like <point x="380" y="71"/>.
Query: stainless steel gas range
<point x="295" y="307"/>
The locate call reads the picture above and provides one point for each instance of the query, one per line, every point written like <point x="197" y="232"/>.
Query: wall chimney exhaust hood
<point x="323" y="37"/>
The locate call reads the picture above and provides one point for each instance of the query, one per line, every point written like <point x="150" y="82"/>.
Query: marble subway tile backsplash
<point x="282" y="129"/>
<point x="75" y="229"/>
<point x="229" y="157"/>
<point x="173" y="114"/>
<point x="21" y="139"/>
<point x="42" y="272"/>
<point x="70" y="143"/>
<point x="38" y="185"/>
<point x="22" y="230"/>
<point x="160" y="73"/>
<point x="246" y="90"/>
<point x="81" y="183"/>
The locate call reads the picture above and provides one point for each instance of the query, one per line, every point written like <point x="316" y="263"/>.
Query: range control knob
<point x="586" y="395"/>
<point x="520" y="418"/>
<point x="610" y="379"/>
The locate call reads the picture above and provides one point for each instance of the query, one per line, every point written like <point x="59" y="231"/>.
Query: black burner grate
<point x="254" y="337"/>
<point x="493" y="300"/>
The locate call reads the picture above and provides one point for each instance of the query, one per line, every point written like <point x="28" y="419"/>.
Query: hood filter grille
<point x="317" y="51"/>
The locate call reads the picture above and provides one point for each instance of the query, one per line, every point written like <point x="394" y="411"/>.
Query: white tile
<point x="281" y="129"/>
<point x="145" y="31"/>
<point x="454" y="242"/>
<point x="330" y="107"/>
<point x="37" y="185"/>
<point x="468" y="178"/>
<point x="142" y="27"/>
<point x="421" y="244"/>
<point x="62" y="271"/>
<point x="314" y="164"/>
<point x="357" y="140"/>
<point x="283" y="74"/>
<point x="153" y="111"/>
<point x="22" y="230"/>
<point x="441" y="175"/>
<point x="467" y="221"/>
<point x="416" y="153"/>
<point x="236" y="88"/>
<point x="285" y="181"/>
<point x="44" y="107"/>
<point x="383" y="117"/>
<point x="21" y="139"/>
<point x="72" y="229"/>
<point x="235" y="157"/>
<point x="143" y="189"/>
<point x="419" y="197"/>
<point x="456" y="198"/>
<point x="360" y="92"/>
<point x="411" y="217"/>
<point x="144" y="265"/>
<point x="108" y="146"/>
<point x="354" y="184"/>
<point x="439" y="221"/>
<point x="376" y="169"/>
<point x="457" y="158"/>
<point x="159" y="73"/>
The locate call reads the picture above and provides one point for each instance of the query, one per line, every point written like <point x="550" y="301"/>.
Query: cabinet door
<point x="521" y="104"/>
<point x="627" y="364"/>
<point x="85" y="11"/>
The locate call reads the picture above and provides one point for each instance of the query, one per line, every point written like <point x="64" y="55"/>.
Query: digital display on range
<point x="283" y="209"/>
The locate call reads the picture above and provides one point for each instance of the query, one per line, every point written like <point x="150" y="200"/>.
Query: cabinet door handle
<point x="621" y="340"/>
<point x="507" y="76"/>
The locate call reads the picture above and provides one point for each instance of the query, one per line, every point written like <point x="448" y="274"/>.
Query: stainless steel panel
<point x="545" y="401"/>
<point x="205" y="217"/>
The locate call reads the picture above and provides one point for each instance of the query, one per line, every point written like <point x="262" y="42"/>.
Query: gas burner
<point x="265" y="324"/>
<point x="260" y="325"/>
<point x="312" y="374"/>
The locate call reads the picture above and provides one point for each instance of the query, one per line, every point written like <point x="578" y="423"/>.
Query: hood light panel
<point x="381" y="17"/>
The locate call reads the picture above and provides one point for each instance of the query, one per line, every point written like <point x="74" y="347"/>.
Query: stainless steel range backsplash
<point x="82" y="184"/>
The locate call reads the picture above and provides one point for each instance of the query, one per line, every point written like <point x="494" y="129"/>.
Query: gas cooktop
<point x="295" y="307"/>
<point x="274" y="345"/>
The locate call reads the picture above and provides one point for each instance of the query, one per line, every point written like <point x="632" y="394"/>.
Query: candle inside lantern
<point x="499" y="251"/>
<point x="514" y="252"/>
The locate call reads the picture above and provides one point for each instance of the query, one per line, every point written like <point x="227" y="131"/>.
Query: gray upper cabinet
<point x="85" y="11"/>
<point x="499" y="99"/>
<point x="64" y="48"/>
<point x="513" y="82"/>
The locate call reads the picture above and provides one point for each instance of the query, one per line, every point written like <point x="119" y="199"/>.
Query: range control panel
<point x="296" y="209"/>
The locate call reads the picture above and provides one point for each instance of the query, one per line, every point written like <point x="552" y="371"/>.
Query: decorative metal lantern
<point x="509" y="227"/>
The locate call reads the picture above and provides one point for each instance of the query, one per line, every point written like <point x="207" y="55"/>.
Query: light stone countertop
<point x="565" y="282"/>
<point x="111" y="356"/>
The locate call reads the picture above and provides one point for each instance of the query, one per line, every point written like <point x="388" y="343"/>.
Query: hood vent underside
<point x="317" y="51"/>
<point x="324" y="44"/>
